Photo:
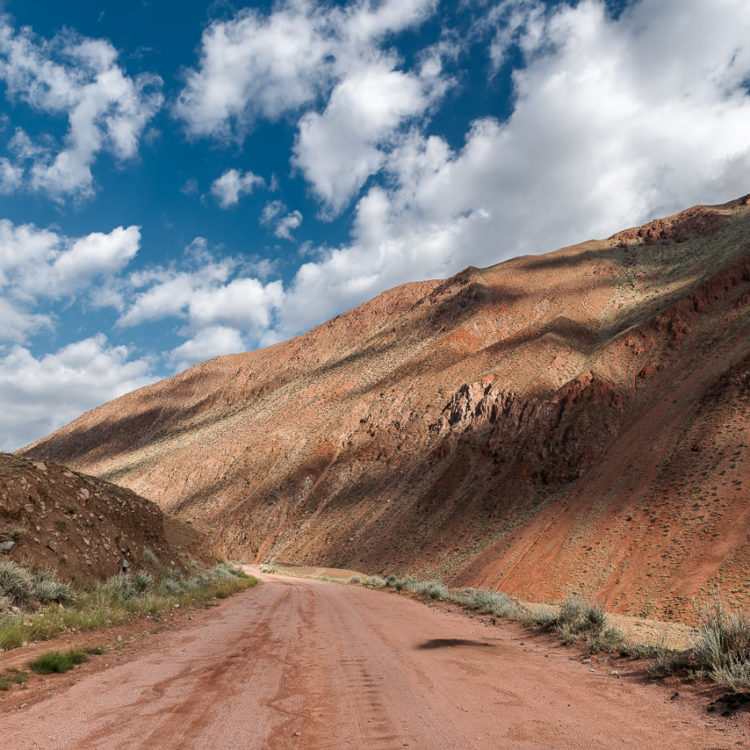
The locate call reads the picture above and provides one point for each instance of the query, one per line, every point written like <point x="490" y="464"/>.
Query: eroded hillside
<point x="577" y="421"/>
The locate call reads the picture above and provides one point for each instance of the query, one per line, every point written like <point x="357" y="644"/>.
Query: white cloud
<point x="77" y="78"/>
<point x="39" y="265"/>
<point x="39" y="395"/>
<point x="233" y="184"/>
<point x="168" y="291"/>
<point x="287" y="224"/>
<point x="284" y="222"/>
<point x="264" y="66"/>
<point x="340" y="148"/>
<point x="10" y="176"/>
<point x="207" y="343"/>
<point x="96" y="254"/>
<point x="244" y="303"/>
<point x="223" y="308"/>
<point x="256" y="65"/>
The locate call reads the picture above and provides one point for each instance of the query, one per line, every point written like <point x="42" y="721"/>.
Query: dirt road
<point x="297" y="663"/>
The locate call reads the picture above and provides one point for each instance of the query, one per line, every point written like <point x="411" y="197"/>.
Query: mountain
<point x="570" y="422"/>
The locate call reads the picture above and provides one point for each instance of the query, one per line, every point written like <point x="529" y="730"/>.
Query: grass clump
<point x="580" y="621"/>
<point x="430" y="589"/>
<point x="30" y="589"/>
<point x="394" y="582"/>
<point x="492" y="602"/>
<point x="16" y="583"/>
<point x="269" y="568"/>
<point x="375" y="581"/>
<point x="12" y="677"/>
<point x="722" y="645"/>
<point x="47" y="589"/>
<point x="58" y="661"/>
<point x="148" y="557"/>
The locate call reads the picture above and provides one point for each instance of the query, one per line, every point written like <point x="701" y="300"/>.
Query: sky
<point x="181" y="180"/>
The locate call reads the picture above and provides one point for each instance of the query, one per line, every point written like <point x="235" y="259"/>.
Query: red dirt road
<point x="296" y="663"/>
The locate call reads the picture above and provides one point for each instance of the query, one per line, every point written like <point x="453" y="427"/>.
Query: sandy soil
<point x="297" y="663"/>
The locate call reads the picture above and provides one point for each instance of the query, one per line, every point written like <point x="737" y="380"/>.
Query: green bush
<point x="143" y="581"/>
<point x="58" y="661"/>
<point x="430" y="589"/>
<point x="12" y="677"/>
<point x="375" y="581"/>
<point x="120" y="588"/>
<point x="722" y="644"/>
<point x="16" y="583"/>
<point x="493" y="602"/>
<point x="148" y="556"/>
<point x="47" y="589"/>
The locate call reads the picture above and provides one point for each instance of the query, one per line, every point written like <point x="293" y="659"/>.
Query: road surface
<point x="296" y="663"/>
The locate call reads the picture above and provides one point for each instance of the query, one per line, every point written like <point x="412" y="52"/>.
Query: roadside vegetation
<point x="720" y="649"/>
<point x="35" y="605"/>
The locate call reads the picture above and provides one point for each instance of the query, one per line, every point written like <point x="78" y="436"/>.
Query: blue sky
<point x="183" y="180"/>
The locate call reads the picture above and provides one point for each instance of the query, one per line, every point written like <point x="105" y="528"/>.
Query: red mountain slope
<point x="577" y="421"/>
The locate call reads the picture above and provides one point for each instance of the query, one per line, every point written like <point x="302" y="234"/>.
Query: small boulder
<point x="7" y="546"/>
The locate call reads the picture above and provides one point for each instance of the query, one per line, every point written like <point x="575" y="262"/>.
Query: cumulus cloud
<point x="257" y="65"/>
<point x="283" y="222"/>
<point x="340" y="148"/>
<point x="38" y="395"/>
<point x="224" y="309"/>
<point x="265" y="66"/>
<point x="205" y="344"/>
<point x="233" y="184"/>
<point x="38" y="265"/>
<point x="77" y="78"/>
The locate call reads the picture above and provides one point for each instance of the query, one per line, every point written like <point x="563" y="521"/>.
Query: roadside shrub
<point x="12" y="677"/>
<point x="226" y="571"/>
<point x="171" y="587"/>
<point x="579" y="617"/>
<point x="148" y="556"/>
<point x="120" y="588"/>
<point x="356" y="579"/>
<point x="543" y="619"/>
<point x="722" y="644"/>
<point x="491" y="601"/>
<point x="395" y="582"/>
<point x="431" y="589"/>
<point x="58" y="661"/>
<point x="143" y="580"/>
<point x="16" y="583"/>
<point x="47" y="589"/>
<point x="376" y="581"/>
<point x="607" y="639"/>
<point x="668" y="661"/>
<point x="269" y="568"/>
